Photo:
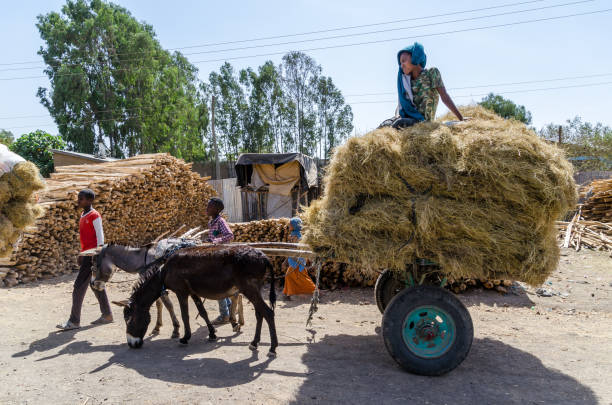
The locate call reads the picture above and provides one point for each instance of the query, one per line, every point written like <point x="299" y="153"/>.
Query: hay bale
<point x="480" y="199"/>
<point x="24" y="179"/>
<point x="22" y="213"/>
<point x="8" y="236"/>
<point x="5" y="191"/>
<point x="6" y="228"/>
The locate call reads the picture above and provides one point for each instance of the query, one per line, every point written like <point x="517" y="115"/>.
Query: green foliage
<point x="592" y="143"/>
<point x="36" y="147"/>
<point x="286" y="108"/>
<point x="335" y="118"/>
<point x="112" y="83"/>
<point x="300" y="74"/>
<point x="6" y="137"/>
<point x="506" y="108"/>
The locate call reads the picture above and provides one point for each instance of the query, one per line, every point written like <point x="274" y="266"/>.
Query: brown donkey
<point x="203" y="272"/>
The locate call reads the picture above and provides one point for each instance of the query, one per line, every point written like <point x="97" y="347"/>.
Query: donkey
<point x="203" y="272"/>
<point x="135" y="260"/>
<point x="131" y="260"/>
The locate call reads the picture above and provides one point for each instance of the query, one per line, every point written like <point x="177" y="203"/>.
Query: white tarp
<point x="8" y="159"/>
<point x="279" y="206"/>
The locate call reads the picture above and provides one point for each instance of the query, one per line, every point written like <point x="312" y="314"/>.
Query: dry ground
<point x="527" y="350"/>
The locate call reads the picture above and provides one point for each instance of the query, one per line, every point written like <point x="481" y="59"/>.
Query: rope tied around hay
<point x="315" y="295"/>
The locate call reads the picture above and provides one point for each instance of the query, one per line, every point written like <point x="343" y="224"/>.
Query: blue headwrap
<point x="408" y="110"/>
<point x="296" y="224"/>
<point x="300" y="262"/>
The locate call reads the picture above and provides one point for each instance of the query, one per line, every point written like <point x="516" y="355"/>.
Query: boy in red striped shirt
<point x="91" y="235"/>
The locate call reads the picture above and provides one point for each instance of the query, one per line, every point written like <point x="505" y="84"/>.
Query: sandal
<point x="67" y="326"/>
<point x="221" y="320"/>
<point x="102" y="321"/>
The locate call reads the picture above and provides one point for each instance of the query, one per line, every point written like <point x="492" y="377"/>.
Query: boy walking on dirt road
<point x="92" y="236"/>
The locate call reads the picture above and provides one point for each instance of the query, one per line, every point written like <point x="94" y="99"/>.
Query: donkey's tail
<point x="272" y="287"/>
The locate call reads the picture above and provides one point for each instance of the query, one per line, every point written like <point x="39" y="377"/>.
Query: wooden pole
<point x="214" y="137"/>
<point x="560" y="134"/>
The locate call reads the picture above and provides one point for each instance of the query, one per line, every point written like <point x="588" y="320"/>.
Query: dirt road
<point x="527" y="350"/>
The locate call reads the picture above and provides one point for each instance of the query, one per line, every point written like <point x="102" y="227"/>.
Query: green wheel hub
<point x="429" y="331"/>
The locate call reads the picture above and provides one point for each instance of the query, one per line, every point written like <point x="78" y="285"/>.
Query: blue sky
<point x="539" y="51"/>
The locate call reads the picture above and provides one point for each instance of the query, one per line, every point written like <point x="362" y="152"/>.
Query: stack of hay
<point x="335" y="274"/>
<point x="599" y="206"/>
<point x="139" y="198"/>
<point x="479" y="198"/>
<point x="19" y="180"/>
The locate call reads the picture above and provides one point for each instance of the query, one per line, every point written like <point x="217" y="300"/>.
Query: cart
<point x="426" y="329"/>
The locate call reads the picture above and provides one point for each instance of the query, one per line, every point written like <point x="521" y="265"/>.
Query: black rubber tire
<point x="386" y="287"/>
<point x="393" y="321"/>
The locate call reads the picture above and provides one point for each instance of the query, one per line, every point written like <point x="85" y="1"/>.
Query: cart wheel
<point x="387" y="287"/>
<point x="427" y="330"/>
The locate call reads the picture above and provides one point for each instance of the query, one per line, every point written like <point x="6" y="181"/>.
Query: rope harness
<point x="315" y="295"/>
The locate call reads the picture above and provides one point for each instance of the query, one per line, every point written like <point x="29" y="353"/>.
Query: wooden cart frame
<point x="425" y="328"/>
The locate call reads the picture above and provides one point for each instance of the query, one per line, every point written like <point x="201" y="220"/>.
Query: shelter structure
<point x="275" y="185"/>
<point x="69" y="158"/>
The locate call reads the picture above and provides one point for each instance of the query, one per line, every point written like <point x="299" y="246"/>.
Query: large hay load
<point x="139" y="198"/>
<point x="479" y="198"/>
<point x="19" y="180"/>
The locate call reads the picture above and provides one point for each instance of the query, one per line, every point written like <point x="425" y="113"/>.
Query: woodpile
<point x="598" y="204"/>
<point x="267" y="230"/>
<point x="334" y="274"/>
<point x="579" y="233"/>
<point x="459" y="286"/>
<point x="139" y="198"/>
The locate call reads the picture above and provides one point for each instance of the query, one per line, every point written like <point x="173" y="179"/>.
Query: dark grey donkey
<point x="137" y="260"/>
<point x="131" y="260"/>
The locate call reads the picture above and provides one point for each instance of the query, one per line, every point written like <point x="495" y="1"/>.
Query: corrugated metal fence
<point x="584" y="178"/>
<point x="230" y="194"/>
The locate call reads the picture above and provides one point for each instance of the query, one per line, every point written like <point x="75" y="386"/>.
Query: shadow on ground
<point x="491" y="298"/>
<point x="54" y="339"/>
<point x="342" y="369"/>
<point x="357" y="369"/>
<point x="166" y="360"/>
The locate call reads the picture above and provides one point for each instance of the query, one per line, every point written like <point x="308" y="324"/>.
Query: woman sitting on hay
<point x="418" y="88"/>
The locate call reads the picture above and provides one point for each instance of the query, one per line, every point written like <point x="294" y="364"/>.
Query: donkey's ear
<point x="122" y="303"/>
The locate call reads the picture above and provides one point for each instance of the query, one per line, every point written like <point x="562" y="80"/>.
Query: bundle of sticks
<point x="579" y="233"/>
<point x="138" y="198"/>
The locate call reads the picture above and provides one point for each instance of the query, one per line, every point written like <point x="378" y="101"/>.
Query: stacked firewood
<point x="598" y="204"/>
<point x="334" y="274"/>
<point x="267" y="230"/>
<point x="138" y="198"/>
<point x="459" y="286"/>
